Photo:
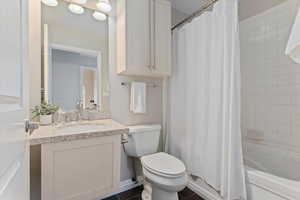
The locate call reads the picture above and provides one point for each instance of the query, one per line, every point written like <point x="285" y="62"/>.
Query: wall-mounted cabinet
<point x="144" y="37"/>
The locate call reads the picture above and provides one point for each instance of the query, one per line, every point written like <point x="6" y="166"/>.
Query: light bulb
<point x="99" y="16"/>
<point x="50" y="2"/>
<point x="76" y="9"/>
<point x="104" y="5"/>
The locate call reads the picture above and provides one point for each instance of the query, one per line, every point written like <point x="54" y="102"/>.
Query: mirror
<point x="74" y="58"/>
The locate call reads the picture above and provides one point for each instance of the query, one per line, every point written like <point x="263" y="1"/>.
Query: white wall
<point x="251" y="8"/>
<point x="270" y="85"/>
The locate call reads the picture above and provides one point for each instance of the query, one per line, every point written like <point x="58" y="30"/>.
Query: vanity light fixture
<point x="78" y="6"/>
<point x="76" y="9"/>
<point x="99" y="16"/>
<point x="50" y="2"/>
<point x="104" y="5"/>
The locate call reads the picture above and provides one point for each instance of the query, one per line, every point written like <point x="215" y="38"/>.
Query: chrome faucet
<point x="79" y="106"/>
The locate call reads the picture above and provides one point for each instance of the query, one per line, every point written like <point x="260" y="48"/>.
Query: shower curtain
<point x="204" y="100"/>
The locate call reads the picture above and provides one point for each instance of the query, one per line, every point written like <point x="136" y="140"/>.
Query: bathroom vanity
<point x="79" y="160"/>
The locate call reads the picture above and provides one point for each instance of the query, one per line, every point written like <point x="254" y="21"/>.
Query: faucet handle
<point x="79" y="104"/>
<point x="98" y="107"/>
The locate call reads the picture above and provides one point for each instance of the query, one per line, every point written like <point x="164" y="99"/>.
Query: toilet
<point x="164" y="175"/>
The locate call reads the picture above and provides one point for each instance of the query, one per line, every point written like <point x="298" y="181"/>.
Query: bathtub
<point x="264" y="186"/>
<point x="260" y="186"/>
<point x="272" y="173"/>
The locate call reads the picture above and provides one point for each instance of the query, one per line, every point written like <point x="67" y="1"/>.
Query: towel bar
<point x="148" y="84"/>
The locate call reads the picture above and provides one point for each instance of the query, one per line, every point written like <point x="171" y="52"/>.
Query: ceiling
<point x="188" y="6"/>
<point x="247" y="8"/>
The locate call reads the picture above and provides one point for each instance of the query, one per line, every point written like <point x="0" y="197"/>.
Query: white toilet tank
<point x="142" y="140"/>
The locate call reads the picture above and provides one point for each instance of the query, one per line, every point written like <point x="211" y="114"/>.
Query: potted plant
<point x="45" y="112"/>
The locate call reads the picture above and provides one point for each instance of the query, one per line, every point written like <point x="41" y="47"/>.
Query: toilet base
<point x="159" y="194"/>
<point x="147" y="192"/>
<point x="151" y="192"/>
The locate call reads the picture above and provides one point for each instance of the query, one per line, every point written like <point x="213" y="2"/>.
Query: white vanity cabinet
<point x="80" y="169"/>
<point x="144" y="37"/>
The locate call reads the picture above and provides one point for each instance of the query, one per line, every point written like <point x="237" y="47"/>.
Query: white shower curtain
<point x="204" y="100"/>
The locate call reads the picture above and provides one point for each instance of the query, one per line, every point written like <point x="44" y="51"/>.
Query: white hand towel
<point x="138" y="98"/>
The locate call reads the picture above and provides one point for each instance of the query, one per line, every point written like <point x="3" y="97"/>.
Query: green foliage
<point x="44" y="109"/>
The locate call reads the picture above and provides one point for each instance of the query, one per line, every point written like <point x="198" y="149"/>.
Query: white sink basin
<point x="80" y="127"/>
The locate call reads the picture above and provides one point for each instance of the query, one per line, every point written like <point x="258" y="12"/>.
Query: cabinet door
<point x="81" y="169"/>
<point x="138" y="37"/>
<point x="162" y="37"/>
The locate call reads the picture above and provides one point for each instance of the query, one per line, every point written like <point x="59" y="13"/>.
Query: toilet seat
<point x="163" y="164"/>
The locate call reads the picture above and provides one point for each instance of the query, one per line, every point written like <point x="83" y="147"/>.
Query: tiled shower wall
<point x="270" y="79"/>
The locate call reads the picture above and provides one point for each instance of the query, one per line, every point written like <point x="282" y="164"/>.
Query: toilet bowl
<point x="164" y="175"/>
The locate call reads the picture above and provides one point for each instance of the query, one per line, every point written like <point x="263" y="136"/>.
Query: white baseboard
<point x="127" y="185"/>
<point x="124" y="186"/>
<point x="202" y="191"/>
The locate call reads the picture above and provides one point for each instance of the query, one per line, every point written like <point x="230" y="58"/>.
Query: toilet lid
<point x="163" y="164"/>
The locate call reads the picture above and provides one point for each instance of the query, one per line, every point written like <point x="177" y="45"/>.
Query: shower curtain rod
<point x="195" y="14"/>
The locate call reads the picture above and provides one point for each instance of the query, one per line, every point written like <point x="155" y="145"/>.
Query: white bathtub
<point x="260" y="186"/>
<point x="264" y="186"/>
<point x="273" y="173"/>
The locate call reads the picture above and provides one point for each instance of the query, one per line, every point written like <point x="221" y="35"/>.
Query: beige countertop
<point x="55" y="134"/>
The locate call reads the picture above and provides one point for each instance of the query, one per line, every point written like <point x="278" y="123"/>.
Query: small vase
<point x="45" y="120"/>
